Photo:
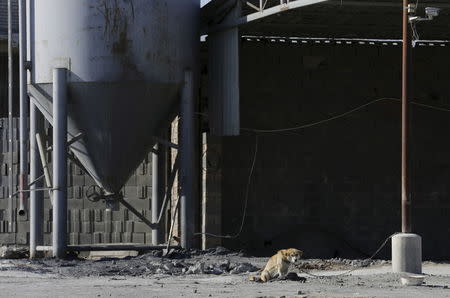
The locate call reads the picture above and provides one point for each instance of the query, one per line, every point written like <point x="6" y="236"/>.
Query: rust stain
<point x="121" y="46"/>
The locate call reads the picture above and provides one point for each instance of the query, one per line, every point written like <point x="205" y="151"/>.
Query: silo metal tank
<point x="126" y="60"/>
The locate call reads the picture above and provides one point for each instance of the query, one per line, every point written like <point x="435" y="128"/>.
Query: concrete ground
<point x="22" y="278"/>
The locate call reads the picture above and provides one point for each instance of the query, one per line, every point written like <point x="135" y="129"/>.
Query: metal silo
<point x="125" y="61"/>
<point x="124" y="65"/>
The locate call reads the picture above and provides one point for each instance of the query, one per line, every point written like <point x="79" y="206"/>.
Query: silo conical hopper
<point x="126" y="60"/>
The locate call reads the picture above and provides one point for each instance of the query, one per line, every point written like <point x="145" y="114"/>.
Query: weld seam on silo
<point x="36" y="197"/>
<point x="59" y="162"/>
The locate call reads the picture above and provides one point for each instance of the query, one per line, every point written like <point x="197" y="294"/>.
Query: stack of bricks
<point x="88" y="222"/>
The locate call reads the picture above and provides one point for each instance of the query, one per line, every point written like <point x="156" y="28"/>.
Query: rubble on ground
<point x="216" y="261"/>
<point x="13" y="252"/>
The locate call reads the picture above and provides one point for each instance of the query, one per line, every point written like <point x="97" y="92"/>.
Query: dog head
<point x="292" y="254"/>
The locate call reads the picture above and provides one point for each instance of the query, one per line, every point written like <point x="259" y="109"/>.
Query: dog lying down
<point x="278" y="266"/>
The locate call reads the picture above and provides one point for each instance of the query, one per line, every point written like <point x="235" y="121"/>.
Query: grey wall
<point x="89" y="222"/>
<point x="334" y="189"/>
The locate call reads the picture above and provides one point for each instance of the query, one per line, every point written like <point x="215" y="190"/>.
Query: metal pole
<point x="10" y="122"/>
<point x="36" y="197"/>
<point x="406" y="197"/>
<point x="155" y="194"/>
<point x="187" y="169"/>
<point x="59" y="162"/>
<point x="23" y="182"/>
<point x="44" y="163"/>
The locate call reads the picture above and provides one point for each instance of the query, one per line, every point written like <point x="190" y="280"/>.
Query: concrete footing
<point x="407" y="253"/>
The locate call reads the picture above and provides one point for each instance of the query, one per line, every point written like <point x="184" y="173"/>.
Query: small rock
<point x="243" y="268"/>
<point x="225" y="265"/>
<point x="13" y="252"/>
<point x="198" y="268"/>
<point x="168" y="266"/>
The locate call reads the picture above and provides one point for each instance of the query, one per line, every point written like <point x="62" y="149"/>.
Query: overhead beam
<point x="261" y="14"/>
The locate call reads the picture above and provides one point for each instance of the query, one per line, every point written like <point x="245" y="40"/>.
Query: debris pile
<point x="13" y="252"/>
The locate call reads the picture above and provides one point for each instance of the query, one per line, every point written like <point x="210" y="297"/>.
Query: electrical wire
<point x="341" y="116"/>
<point x="354" y="269"/>
<point x="298" y="128"/>
<point x="247" y="191"/>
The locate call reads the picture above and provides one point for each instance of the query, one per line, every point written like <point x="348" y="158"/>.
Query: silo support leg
<point x="36" y="197"/>
<point x="59" y="162"/>
<point x="187" y="168"/>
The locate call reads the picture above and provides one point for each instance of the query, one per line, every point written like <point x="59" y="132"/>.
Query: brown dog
<point x="278" y="265"/>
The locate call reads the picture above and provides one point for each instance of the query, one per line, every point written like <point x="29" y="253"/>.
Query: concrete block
<point x="140" y="227"/>
<point x="47" y="226"/>
<point x="77" y="191"/>
<point x="116" y="237"/>
<point x="98" y="215"/>
<point x="75" y="226"/>
<point x="108" y="226"/>
<point x="75" y="215"/>
<point x="407" y="253"/>
<point x="97" y="237"/>
<point x="129" y="226"/>
<point x="107" y="215"/>
<point x="107" y="237"/>
<point x="74" y="238"/>
<point x="139" y="238"/>
<point x="22" y="238"/>
<point x="99" y="226"/>
<point x="117" y="226"/>
<point x="23" y="226"/>
<point x="87" y="227"/>
<point x="127" y="237"/>
<point x="85" y="238"/>
<point x="7" y="238"/>
<point x="87" y="215"/>
<point x="142" y="180"/>
<point x="142" y="192"/>
<point x="148" y="239"/>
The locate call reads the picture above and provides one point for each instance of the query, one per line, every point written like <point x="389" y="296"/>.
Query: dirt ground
<point x="214" y="273"/>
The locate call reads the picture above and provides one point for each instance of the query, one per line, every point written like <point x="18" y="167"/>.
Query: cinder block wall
<point x="334" y="189"/>
<point x="89" y="222"/>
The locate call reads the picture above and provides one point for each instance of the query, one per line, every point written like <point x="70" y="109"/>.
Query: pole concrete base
<point x="407" y="253"/>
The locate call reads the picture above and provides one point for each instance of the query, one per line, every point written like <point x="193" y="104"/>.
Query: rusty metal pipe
<point x="406" y="51"/>
<point x="23" y="131"/>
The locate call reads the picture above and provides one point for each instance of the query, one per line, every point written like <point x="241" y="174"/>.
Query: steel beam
<point x="187" y="161"/>
<point x="155" y="194"/>
<point x="36" y="171"/>
<point x="11" y="205"/>
<point x="282" y="7"/>
<point x="59" y="162"/>
<point x="109" y="247"/>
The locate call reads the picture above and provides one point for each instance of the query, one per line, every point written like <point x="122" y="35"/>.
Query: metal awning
<point x="331" y="19"/>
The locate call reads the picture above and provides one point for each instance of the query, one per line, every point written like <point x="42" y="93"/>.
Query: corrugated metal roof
<point x="4" y="17"/>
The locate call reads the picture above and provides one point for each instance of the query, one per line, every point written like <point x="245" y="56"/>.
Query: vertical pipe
<point x="155" y="193"/>
<point x="36" y="197"/>
<point x="406" y="198"/>
<point x="59" y="162"/>
<point x="10" y="122"/>
<point x="187" y="169"/>
<point x="23" y="107"/>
